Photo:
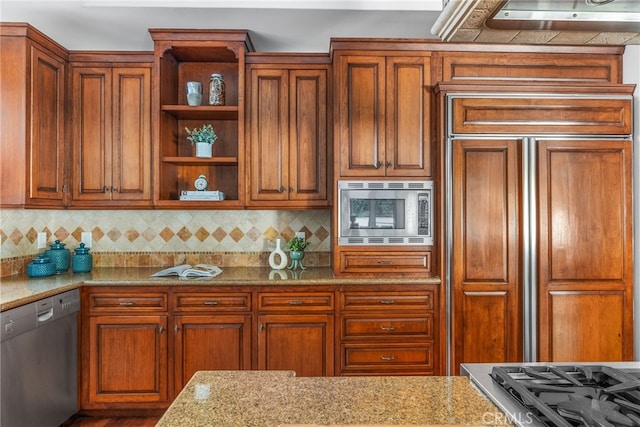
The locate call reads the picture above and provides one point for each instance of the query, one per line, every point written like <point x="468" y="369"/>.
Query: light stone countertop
<point x="20" y="289"/>
<point x="278" y="398"/>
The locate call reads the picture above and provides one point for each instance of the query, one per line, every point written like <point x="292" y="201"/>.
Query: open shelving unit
<point x="193" y="55"/>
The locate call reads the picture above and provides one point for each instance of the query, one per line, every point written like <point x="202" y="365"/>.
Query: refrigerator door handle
<point x="529" y="262"/>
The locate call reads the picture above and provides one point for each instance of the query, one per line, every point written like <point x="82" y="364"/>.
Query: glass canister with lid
<point x="216" y="89"/>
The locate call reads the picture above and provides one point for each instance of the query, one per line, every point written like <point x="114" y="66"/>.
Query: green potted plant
<point x="296" y="247"/>
<point x="203" y="138"/>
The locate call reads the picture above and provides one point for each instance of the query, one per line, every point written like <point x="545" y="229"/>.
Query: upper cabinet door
<point x="360" y="133"/>
<point x="269" y="139"/>
<point x="111" y="131"/>
<point x="408" y="151"/>
<point x="46" y="141"/>
<point x="131" y="134"/>
<point x="383" y="114"/>
<point x="288" y="136"/>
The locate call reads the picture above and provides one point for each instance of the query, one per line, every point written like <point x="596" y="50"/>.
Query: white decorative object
<point x="203" y="149"/>
<point x="278" y="252"/>
<point x="194" y="93"/>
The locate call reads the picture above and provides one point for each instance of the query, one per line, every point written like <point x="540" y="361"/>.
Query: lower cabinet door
<point x="128" y="360"/>
<point x="300" y="343"/>
<point x="220" y="342"/>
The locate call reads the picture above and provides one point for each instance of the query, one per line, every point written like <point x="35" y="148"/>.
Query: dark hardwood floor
<point x="85" y="421"/>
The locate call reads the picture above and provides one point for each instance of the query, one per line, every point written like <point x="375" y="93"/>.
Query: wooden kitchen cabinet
<point x="111" y="130"/>
<point x="537" y="214"/>
<point x="124" y="352"/>
<point x="386" y="331"/>
<point x="33" y="84"/>
<point x="382" y="113"/>
<point x="193" y="55"/>
<point x="288" y="137"/>
<point x="296" y="332"/>
<point x="213" y="331"/>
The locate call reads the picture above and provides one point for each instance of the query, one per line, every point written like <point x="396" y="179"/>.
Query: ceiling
<point x="297" y="25"/>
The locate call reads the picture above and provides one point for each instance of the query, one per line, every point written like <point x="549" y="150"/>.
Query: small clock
<point x="201" y="183"/>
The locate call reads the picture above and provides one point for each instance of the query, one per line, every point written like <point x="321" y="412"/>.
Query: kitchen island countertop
<point x="279" y="398"/>
<point x="20" y="289"/>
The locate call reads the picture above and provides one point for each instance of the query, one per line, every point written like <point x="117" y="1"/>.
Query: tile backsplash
<point x="241" y="235"/>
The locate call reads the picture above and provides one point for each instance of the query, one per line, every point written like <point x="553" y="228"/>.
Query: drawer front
<point x="400" y="262"/>
<point x="398" y="326"/>
<point x="422" y="300"/>
<point x="292" y="301"/>
<point x="387" y="358"/>
<point x="187" y="302"/>
<point x="128" y="302"/>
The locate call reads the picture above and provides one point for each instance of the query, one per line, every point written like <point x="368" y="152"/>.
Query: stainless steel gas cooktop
<point x="563" y="395"/>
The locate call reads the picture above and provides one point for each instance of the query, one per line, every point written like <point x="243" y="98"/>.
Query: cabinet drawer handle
<point x="295" y="302"/>
<point x="176" y="328"/>
<point x="260" y="327"/>
<point x="211" y="302"/>
<point x="388" y="328"/>
<point x="126" y="303"/>
<point x="387" y="301"/>
<point x="383" y="262"/>
<point x="161" y="328"/>
<point x="388" y="358"/>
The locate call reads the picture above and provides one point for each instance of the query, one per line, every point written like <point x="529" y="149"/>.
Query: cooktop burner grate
<point x="568" y="396"/>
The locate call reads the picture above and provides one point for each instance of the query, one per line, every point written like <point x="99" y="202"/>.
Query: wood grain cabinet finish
<point x="572" y="204"/>
<point x="111" y="132"/>
<point x="181" y="56"/>
<point x="33" y="85"/>
<point x="296" y="332"/>
<point x="288" y="136"/>
<point x="382" y="115"/>
<point x="598" y="65"/>
<point x="388" y="332"/>
<point x="124" y="352"/>
<point x="212" y="331"/>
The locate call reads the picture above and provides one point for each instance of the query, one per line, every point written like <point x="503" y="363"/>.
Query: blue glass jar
<point x="41" y="267"/>
<point x="82" y="260"/>
<point x="59" y="255"/>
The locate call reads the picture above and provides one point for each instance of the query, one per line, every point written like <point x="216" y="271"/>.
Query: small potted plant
<point x="203" y="138"/>
<point x="296" y="246"/>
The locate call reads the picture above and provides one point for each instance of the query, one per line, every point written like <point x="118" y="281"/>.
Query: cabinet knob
<point x="281" y="190"/>
<point x="378" y="165"/>
<point x="105" y="189"/>
<point x="389" y="164"/>
<point x="114" y="190"/>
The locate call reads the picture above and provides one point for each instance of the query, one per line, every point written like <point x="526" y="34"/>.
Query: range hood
<point x="540" y="22"/>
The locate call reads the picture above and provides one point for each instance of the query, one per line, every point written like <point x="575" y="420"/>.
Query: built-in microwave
<point x="385" y="213"/>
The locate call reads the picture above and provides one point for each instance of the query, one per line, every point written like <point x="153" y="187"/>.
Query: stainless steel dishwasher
<point x="39" y="362"/>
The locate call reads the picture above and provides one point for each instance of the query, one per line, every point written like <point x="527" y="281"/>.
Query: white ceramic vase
<point x="277" y="258"/>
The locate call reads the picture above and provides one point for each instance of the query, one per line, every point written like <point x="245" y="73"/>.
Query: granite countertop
<point x="278" y="398"/>
<point x="20" y="289"/>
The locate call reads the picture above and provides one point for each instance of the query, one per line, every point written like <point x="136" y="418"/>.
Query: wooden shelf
<point x="201" y="161"/>
<point x="203" y="112"/>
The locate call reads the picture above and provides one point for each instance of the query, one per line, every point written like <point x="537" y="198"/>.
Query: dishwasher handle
<point x="45" y="315"/>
